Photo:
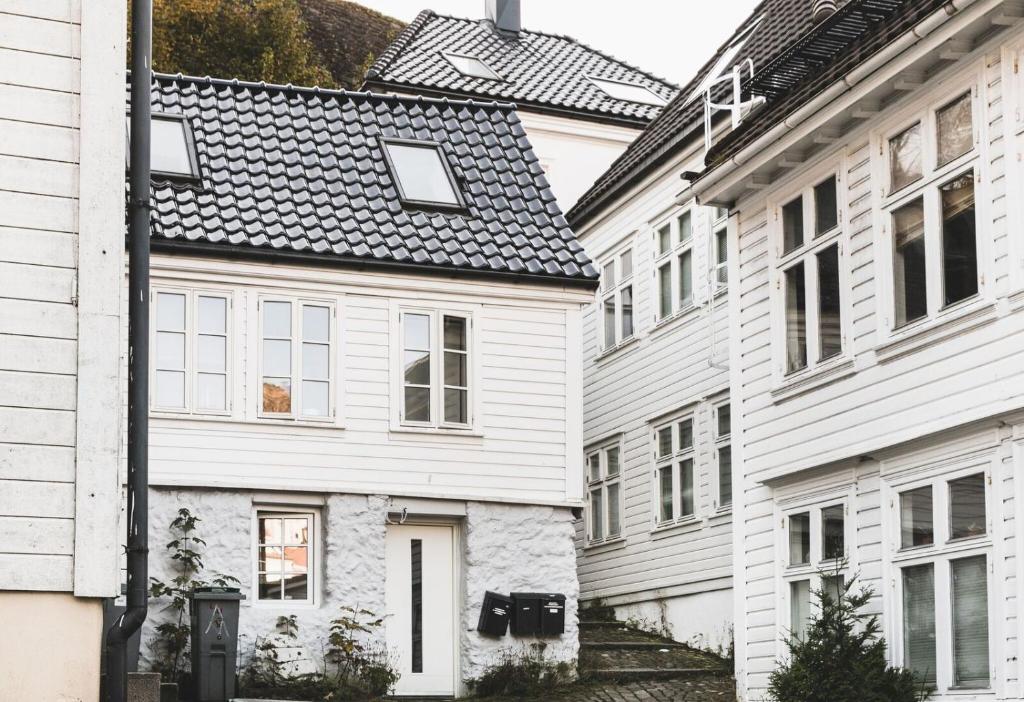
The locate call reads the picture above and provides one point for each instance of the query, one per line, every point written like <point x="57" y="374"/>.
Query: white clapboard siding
<point x="667" y="369"/>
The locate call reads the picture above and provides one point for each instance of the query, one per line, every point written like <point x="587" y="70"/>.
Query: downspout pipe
<point x="138" y="358"/>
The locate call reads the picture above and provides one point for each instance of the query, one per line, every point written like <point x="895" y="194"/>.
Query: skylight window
<point x="630" y="92"/>
<point x="423" y="176"/>
<point x="472" y="66"/>
<point x="171" y="151"/>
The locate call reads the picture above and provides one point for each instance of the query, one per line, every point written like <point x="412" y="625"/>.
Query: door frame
<point x="458" y="588"/>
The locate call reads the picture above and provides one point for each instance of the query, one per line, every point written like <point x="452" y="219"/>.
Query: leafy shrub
<point x="521" y="672"/>
<point x="842" y="657"/>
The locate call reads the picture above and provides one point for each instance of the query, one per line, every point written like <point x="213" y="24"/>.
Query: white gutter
<point x="852" y="79"/>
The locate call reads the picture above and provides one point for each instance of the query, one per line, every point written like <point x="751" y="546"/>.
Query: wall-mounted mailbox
<point x="538" y="614"/>
<point x="495" y="614"/>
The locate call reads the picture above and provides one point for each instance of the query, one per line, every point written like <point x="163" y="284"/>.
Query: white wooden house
<point x="61" y="201"/>
<point x="366" y="377"/>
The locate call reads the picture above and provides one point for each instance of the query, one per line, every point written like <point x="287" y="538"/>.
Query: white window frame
<point x="670" y="260"/>
<point x="720" y="442"/>
<point x="449" y="55"/>
<point x="941" y="94"/>
<point x="719" y="270"/>
<point x="673" y="461"/>
<point x="191" y="332"/>
<point x="437" y="422"/>
<point x="315" y="555"/>
<point x="297" y="304"/>
<point x="600" y="482"/>
<point x="613" y="291"/>
<point x="654" y="99"/>
<point x="940" y="553"/>
<point x="807" y="253"/>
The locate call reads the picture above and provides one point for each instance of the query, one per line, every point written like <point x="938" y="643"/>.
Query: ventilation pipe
<point x="138" y="358"/>
<point x="823" y="9"/>
<point x="505" y="15"/>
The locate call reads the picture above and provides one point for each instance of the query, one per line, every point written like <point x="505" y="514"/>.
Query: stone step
<point x="640" y="645"/>
<point x="648" y="658"/>
<point x="631" y="674"/>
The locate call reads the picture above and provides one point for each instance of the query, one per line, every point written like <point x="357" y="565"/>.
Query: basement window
<point x="421" y="173"/>
<point x="472" y="66"/>
<point x="630" y="92"/>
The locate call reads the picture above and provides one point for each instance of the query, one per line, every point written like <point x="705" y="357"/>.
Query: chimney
<point x="822" y="10"/>
<point x="505" y="15"/>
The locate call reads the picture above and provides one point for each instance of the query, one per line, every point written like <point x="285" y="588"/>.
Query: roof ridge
<point x="398" y="45"/>
<point x="331" y="92"/>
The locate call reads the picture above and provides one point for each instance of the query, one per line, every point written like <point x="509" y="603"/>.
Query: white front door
<point x="420" y="593"/>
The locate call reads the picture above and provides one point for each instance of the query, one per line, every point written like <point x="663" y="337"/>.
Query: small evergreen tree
<point x="841" y="658"/>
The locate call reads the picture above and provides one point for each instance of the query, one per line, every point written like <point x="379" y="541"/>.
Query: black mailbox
<point x="494" y="614"/>
<point x="538" y="613"/>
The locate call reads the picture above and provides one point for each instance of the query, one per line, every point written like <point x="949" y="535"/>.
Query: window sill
<point x="612" y="544"/>
<point x="282" y="605"/>
<point x="801" y="382"/>
<point x="614" y="350"/>
<point x="329" y="424"/>
<point x="683" y="525"/>
<point x="721" y="514"/>
<point x="686" y="313"/>
<point x="962" y="317"/>
<point x="469" y="433"/>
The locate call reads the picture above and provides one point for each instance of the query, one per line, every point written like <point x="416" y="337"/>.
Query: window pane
<point x="170" y="311"/>
<point x="212" y="353"/>
<point x="833" y="586"/>
<point x="664" y="441"/>
<point x="826" y="206"/>
<point x="909" y="262"/>
<point x="170" y="389"/>
<point x="277" y="357"/>
<point x="416" y="595"/>
<point x="271" y="530"/>
<point x="664" y="239"/>
<point x="471" y="66"/>
<point x="686" y="487"/>
<point x="269" y="586"/>
<point x="212" y="315"/>
<point x="609" y="322"/>
<point x="833" y="532"/>
<point x="724" y="415"/>
<point x="916" y="517"/>
<point x="685" y="227"/>
<point x="630" y="92"/>
<point x="725" y="475"/>
<point x="456" y="406"/>
<point x="596" y="515"/>
<point x="970" y="622"/>
<point x="295" y="585"/>
<point x="455" y="369"/>
<point x="277" y="395"/>
<point x="612" y="458"/>
<point x="959" y="244"/>
<point x="626" y="264"/>
<point x="169" y="151"/>
<point x="417" y="404"/>
<point x="799" y="607"/>
<point x="800" y="538"/>
<point x="421" y="173"/>
<point x="721" y="247"/>
<point x="955" y="129"/>
<point x="417" y="367"/>
<point x="627" y="312"/>
<point x="967" y="507"/>
<point x="829" y="315"/>
<point x="685" y="434"/>
<point x="614" y="528"/>
<point x="211" y="390"/>
<point x="170" y="350"/>
<point x="608" y="276"/>
<point x="417" y="332"/>
<point x="277" y="319"/>
<point x="315" y="361"/>
<point x="455" y="333"/>
<point x="595" y="466"/>
<point x="269" y="558"/>
<point x="792" y="225"/>
<point x="316" y="323"/>
<point x="905" y="158"/>
<point x="665" y="291"/>
<point x="296" y="532"/>
<point x="796" y="319"/>
<point x="315" y="401"/>
<point x="686" y="278"/>
<point x="665" y="498"/>
<point x="919" y="621"/>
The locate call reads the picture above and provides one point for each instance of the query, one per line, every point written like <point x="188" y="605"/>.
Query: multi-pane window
<point x="435" y="358"/>
<point x="932" y="166"/>
<point x="723" y="452"/>
<point x="720" y="239"/>
<point x="191" y="361"/>
<point x="284" y="556"/>
<point x="616" y="299"/>
<point x="814" y="558"/>
<point x="944" y="548"/>
<point x="674" y="470"/>
<point x="809" y="264"/>
<point x="673" y="265"/>
<point x="296" y="352"/>
<point x="604" y="487"/>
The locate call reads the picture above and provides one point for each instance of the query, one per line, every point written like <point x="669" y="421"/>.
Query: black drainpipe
<point x="138" y="357"/>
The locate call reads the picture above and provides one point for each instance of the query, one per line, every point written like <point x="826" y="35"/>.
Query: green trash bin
<point x="214" y="617"/>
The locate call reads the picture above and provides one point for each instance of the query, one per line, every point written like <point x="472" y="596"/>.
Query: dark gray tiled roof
<point x="543" y="71"/>
<point x="301" y="171"/>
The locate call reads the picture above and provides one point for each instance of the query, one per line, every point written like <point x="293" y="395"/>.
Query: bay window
<point x="296" y="359"/>
<point x="932" y="167"/>
<point x="435" y="368"/>
<point x="673" y="265"/>
<point x="190" y="366"/>
<point x="604" y="489"/>
<point x="616" y="299"/>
